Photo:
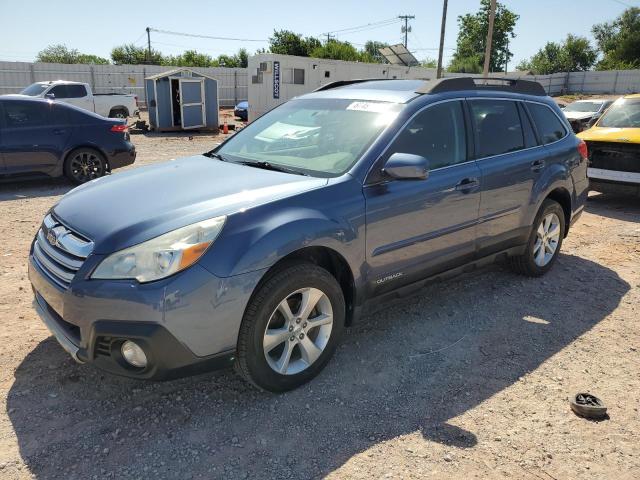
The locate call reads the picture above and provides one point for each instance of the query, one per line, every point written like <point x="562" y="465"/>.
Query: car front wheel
<point x="291" y="328"/>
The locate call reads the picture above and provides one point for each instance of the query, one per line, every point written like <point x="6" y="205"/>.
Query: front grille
<point x="621" y="157"/>
<point x="59" y="251"/>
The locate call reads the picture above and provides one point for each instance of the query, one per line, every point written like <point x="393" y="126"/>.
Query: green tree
<point x="337" y="50"/>
<point x="189" y="58"/>
<point x="371" y="51"/>
<point x="574" y="54"/>
<point x="619" y="41"/>
<point x="243" y="58"/>
<point x="429" y="63"/>
<point x="286" y="42"/>
<point x="129" y="54"/>
<point x="472" y="37"/>
<point x="61" y="54"/>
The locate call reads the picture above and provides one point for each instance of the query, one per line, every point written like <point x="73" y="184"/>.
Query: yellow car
<point x="614" y="148"/>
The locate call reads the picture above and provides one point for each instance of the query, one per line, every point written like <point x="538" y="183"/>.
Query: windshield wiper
<point x="271" y="166"/>
<point x="216" y="155"/>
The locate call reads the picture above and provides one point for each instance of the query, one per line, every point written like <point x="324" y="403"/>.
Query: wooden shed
<point x="182" y="99"/>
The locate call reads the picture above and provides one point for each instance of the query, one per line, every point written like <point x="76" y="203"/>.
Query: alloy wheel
<point x="298" y="331"/>
<point x="86" y="166"/>
<point x="547" y="239"/>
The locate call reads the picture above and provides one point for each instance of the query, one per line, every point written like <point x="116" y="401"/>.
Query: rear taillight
<point x="119" y="128"/>
<point x="583" y="150"/>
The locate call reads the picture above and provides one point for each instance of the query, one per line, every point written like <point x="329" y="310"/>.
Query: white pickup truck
<point x="114" y="105"/>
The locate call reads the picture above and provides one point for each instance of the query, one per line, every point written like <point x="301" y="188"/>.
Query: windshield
<point x="624" y="113"/>
<point x="583" y="107"/>
<point x="35" y="89"/>
<point x="320" y="137"/>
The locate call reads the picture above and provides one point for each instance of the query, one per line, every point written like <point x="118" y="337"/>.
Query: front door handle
<point x="59" y="131"/>
<point x="467" y="184"/>
<point x="537" y="165"/>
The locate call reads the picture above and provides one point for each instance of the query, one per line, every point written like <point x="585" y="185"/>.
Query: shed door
<point x="192" y="102"/>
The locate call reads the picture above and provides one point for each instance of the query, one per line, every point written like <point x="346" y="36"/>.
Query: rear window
<point x="549" y="126"/>
<point x="498" y="127"/>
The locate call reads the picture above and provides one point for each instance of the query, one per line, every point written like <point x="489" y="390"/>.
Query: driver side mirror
<point x="50" y="96"/>
<point x="406" y="166"/>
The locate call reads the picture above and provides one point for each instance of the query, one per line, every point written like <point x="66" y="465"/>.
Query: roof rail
<point x="502" y="84"/>
<point x="344" y="83"/>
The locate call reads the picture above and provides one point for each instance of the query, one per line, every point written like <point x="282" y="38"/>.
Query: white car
<point x="582" y="114"/>
<point x="114" y="105"/>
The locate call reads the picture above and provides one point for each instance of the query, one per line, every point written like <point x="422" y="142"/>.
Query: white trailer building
<point x="274" y="79"/>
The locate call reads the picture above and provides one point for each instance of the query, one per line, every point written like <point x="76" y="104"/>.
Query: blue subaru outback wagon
<point x="260" y="252"/>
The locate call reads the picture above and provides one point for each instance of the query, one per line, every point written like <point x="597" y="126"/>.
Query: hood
<point x="578" y="115"/>
<point x="622" y="135"/>
<point x="127" y="208"/>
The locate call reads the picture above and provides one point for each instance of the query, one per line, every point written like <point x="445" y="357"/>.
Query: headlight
<point x="161" y="256"/>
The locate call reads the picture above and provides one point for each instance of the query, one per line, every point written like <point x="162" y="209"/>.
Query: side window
<point x="498" y="127"/>
<point x="60" y="91"/>
<point x="437" y="133"/>
<point x="548" y="125"/>
<point x="76" y="91"/>
<point x="25" y="114"/>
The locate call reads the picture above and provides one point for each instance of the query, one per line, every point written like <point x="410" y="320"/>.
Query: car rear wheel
<point x="118" y="113"/>
<point x="84" y="164"/>
<point x="544" y="242"/>
<point x="291" y="328"/>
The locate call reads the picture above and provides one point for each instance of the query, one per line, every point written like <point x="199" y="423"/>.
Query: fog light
<point x="133" y="354"/>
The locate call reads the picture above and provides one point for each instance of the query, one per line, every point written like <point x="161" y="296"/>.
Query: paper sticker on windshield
<point x="375" y="107"/>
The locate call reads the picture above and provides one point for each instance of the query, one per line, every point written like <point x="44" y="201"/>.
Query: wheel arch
<point x="119" y="107"/>
<point x="563" y="197"/>
<point x="330" y="260"/>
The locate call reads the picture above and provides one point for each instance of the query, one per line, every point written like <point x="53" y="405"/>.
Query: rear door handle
<point x="59" y="131"/>
<point x="537" y="165"/>
<point x="467" y="184"/>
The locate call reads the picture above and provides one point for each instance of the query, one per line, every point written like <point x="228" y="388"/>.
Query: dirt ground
<point x="467" y="379"/>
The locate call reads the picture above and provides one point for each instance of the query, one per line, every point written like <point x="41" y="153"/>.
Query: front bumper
<point x="186" y="324"/>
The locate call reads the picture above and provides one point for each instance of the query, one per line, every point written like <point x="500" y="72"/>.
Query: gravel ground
<point x="469" y="377"/>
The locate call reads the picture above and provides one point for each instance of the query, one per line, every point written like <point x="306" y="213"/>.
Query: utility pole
<point x="506" y="57"/>
<point x="441" y="49"/>
<point x="329" y="37"/>
<point x="406" y="29"/>
<point x="487" y="50"/>
<point x="148" y="45"/>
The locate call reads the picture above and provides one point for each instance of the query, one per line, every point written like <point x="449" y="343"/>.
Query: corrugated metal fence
<point x="597" y="82"/>
<point x="233" y="82"/>
<point x="14" y="76"/>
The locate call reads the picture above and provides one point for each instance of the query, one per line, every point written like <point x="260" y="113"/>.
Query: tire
<point x="119" y="113"/>
<point x="294" y="334"/>
<point x="533" y="263"/>
<point x="84" y="164"/>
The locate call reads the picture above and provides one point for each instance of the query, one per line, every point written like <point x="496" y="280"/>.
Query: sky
<point x="96" y="27"/>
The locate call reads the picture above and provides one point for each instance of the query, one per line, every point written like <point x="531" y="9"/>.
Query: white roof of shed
<point x="178" y="70"/>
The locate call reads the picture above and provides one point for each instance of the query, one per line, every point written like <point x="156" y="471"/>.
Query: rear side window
<point x="497" y="127"/>
<point x="437" y="133"/>
<point x="547" y="123"/>
<point x="76" y="91"/>
<point x="25" y="114"/>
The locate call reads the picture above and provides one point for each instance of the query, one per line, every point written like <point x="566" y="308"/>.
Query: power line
<point x="193" y="35"/>
<point x="380" y="23"/>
